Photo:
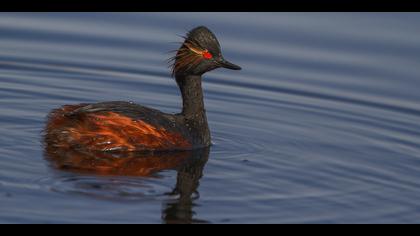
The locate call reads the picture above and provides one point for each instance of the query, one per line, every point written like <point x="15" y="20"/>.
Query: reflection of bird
<point x="188" y="164"/>
<point x="180" y="211"/>
<point x="114" y="164"/>
<point x="124" y="126"/>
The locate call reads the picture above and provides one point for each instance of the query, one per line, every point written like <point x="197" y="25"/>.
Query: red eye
<point x="207" y="55"/>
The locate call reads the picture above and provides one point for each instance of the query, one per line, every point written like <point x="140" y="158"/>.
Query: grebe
<point x="124" y="126"/>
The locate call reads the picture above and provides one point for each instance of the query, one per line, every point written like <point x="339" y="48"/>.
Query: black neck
<point x="193" y="109"/>
<point x="192" y="95"/>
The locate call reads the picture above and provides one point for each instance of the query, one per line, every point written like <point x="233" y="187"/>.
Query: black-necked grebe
<point x="124" y="126"/>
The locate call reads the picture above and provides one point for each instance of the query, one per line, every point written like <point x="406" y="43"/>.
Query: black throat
<point x="193" y="111"/>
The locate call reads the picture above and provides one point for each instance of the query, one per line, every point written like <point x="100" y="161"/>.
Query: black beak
<point x="225" y="64"/>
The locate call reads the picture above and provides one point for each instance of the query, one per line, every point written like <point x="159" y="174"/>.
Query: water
<point x="320" y="126"/>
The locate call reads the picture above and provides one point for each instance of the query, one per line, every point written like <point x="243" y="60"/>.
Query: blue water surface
<point x="322" y="125"/>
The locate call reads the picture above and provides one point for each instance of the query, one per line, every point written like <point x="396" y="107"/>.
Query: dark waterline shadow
<point x="177" y="205"/>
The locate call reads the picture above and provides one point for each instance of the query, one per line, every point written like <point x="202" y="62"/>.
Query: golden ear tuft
<point x="188" y="55"/>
